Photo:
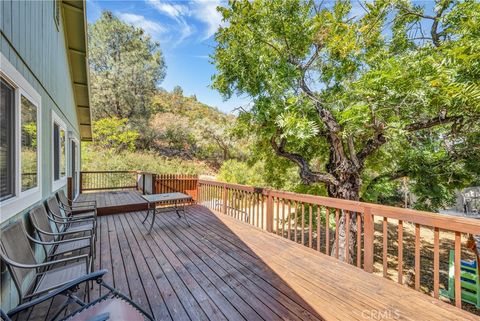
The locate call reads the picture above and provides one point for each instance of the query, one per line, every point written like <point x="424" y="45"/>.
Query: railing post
<point x="69" y="189"/>
<point x="197" y="186"/>
<point x="269" y="217"/>
<point x="225" y="193"/>
<point x="80" y="182"/>
<point x="143" y="183"/>
<point x="154" y="183"/>
<point x="368" y="240"/>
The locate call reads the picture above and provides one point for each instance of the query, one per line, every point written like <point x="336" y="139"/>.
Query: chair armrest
<point x="80" y="220"/>
<point x="44" y="264"/>
<point x="56" y="217"/>
<point x="74" y="283"/>
<point x="59" y="241"/>
<point x="59" y="233"/>
<point x="83" y="207"/>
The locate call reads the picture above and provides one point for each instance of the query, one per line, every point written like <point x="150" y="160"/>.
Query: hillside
<point x="182" y="134"/>
<point x="188" y="128"/>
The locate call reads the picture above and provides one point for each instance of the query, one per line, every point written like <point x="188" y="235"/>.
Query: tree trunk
<point x="349" y="190"/>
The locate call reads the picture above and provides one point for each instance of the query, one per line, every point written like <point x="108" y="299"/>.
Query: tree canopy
<point x="126" y="68"/>
<point x="357" y="102"/>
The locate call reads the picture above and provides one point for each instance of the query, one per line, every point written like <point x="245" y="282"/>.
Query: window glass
<point x="56" y="151"/>
<point x="7" y="136"/>
<point x="29" y="150"/>
<point x="62" y="153"/>
<point x="59" y="157"/>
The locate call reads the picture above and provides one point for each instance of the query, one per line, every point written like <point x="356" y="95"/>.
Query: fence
<point x="107" y="180"/>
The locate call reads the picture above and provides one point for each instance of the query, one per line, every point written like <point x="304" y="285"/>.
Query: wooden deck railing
<point x="151" y="183"/>
<point x="385" y="234"/>
<point x="313" y="221"/>
<point x="107" y="180"/>
<point x="148" y="183"/>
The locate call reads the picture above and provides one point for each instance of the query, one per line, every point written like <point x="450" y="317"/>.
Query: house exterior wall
<point x="34" y="44"/>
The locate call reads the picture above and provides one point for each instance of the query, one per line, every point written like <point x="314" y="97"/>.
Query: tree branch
<point x="351" y="149"/>
<point x="306" y="174"/>
<point x="390" y="176"/>
<point x="372" y="145"/>
<point x="428" y="123"/>
<point x="379" y="139"/>
<point x="434" y="30"/>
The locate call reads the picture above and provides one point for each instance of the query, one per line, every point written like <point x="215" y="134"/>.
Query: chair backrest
<point x="63" y="200"/>
<point x="54" y="208"/>
<point x="39" y="218"/>
<point x="16" y="247"/>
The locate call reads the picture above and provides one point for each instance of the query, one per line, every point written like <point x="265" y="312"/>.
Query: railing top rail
<point x="246" y="188"/>
<point x="106" y="172"/>
<point x="429" y="219"/>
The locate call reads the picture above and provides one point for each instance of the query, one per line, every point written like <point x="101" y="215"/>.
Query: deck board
<point x="223" y="269"/>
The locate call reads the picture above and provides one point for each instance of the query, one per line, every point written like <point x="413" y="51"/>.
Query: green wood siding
<point x="34" y="45"/>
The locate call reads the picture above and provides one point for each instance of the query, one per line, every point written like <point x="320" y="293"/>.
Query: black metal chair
<point x="31" y="278"/>
<point x="113" y="305"/>
<point x="83" y="209"/>
<point x="57" y="243"/>
<point x="66" y="223"/>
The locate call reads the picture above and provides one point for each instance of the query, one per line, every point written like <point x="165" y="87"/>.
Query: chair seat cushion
<point x="59" y="276"/>
<point x="116" y="309"/>
<point x="72" y="246"/>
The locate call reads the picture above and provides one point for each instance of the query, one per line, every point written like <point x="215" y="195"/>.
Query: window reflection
<point x="62" y="153"/>
<point x="29" y="148"/>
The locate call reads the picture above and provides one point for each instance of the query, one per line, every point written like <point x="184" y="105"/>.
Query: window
<point x="29" y="151"/>
<point x="20" y="145"/>
<point x="59" y="152"/>
<point x="7" y="142"/>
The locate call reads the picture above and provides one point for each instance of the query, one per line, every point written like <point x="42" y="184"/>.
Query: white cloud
<point x="172" y="10"/>
<point x="185" y="30"/>
<point x="206" y="12"/>
<point x="203" y="11"/>
<point x="152" y="27"/>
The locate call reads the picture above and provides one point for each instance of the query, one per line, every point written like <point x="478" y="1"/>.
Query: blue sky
<point x="185" y="31"/>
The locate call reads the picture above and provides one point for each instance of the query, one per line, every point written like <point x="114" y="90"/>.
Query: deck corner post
<point x="269" y="217"/>
<point x="368" y="240"/>
<point x="225" y="193"/>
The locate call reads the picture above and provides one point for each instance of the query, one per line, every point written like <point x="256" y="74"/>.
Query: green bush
<point x="95" y="158"/>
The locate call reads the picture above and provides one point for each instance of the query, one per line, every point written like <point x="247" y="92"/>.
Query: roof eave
<point x="75" y="19"/>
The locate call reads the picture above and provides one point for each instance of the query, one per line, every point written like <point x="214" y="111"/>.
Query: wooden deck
<point x="222" y="269"/>
<point x="113" y="202"/>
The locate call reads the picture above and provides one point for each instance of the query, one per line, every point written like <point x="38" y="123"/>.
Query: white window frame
<point x="62" y="181"/>
<point x="21" y="200"/>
